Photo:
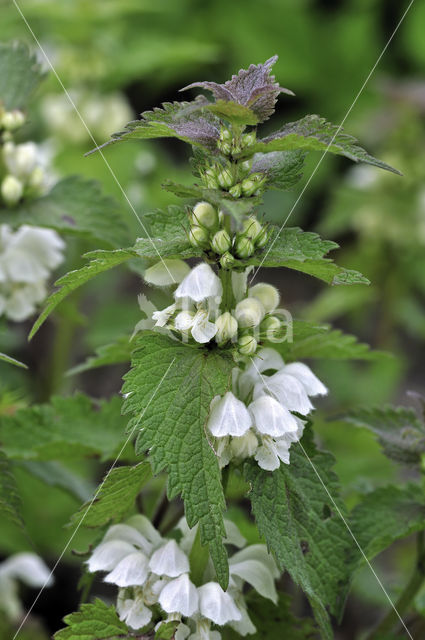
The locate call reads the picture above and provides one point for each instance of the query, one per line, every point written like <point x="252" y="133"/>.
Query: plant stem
<point x="409" y="592"/>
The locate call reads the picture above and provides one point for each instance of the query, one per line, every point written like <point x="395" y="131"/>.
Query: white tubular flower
<point x="288" y="390"/>
<point x="257" y="552"/>
<point x="108" y="554"/>
<point x="12" y="189"/>
<point x="203" y="631"/>
<point x="179" y="596"/>
<point x="256" y="574"/>
<point x="167" y="272"/>
<point x="146" y="528"/>
<point x="271" y="453"/>
<point x="233" y="535"/>
<point x="227" y="328"/>
<point x="202" y="329"/>
<point x="271" y="418"/>
<point x="169" y="560"/>
<point x="228" y="417"/>
<point x="240" y="283"/>
<point x="162" y="317"/>
<point x="249" y="312"/>
<point x="24" y="567"/>
<point x="184" y="320"/>
<point x="130" y="534"/>
<point x="133" y="612"/>
<point x="266" y="294"/>
<point x="217" y="605"/>
<point x="131" y="571"/>
<point x="245" y="446"/>
<point x="310" y="382"/>
<point x="201" y="283"/>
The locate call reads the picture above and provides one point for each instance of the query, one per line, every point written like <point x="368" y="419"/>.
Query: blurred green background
<point x="120" y="57"/>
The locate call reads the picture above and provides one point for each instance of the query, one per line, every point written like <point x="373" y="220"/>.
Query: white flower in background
<point x="256" y="419"/>
<point x="21" y="567"/>
<point x="27" y="167"/>
<point x="27" y="258"/>
<point x="150" y="570"/>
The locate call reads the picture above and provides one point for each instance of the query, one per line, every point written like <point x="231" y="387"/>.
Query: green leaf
<point x="101" y="261"/>
<point x="297" y="518"/>
<point x="20" y="74"/>
<point x="166" y="630"/>
<point x="385" y="515"/>
<point x="283" y="169"/>
<point x="313" y="133"/>
<point x="167" y="223"/>
<point x="303" y="251"/>
<point x="74" y="206"/>
<point x="237" y="113"/>
<point x="117" y="352"/>
<point x="321" y="341"/>
<point x="400" y="432"/>
<point x="115" y="496"/>
<point x="10" y="360"/>
<point x="72" y="427"/>
<point x="94" y="621"/>
<point x="55" y="474"/>
<point x="171" y="386"/>
<point x="272" y="620"/>
<point x="10" y="501"/>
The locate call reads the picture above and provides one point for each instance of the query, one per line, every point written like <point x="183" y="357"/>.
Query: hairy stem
<point x="409" y="592"/>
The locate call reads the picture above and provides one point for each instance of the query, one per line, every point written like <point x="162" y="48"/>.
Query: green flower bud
<point x="236" y="147"/>
<point x="12" y="190"/>
<point x="227" y="328"/>
<point x="245" y="166"/>
<point x="270" y="326"/>
<point x="244" y="247"/>
<point x="262" y="238"/>
<point x="225" y="178"/>
<point x="248" y="139"/>
<point x="247" y="345"/>
<point x="210" y="179"/>
<point x="236" y="190"/>
<point x="198" y="237"/>
<point x="205" y="215"/>
<point x="249" y="312"/>
<point x="225" y="147"/>
<point x="36" y="179"/>
<point x="249" y="187"/>
<point x="221" y="242"/>
<point x="225" y="134"/>
<point x="227" y="260"/>
<point x="267" y="294"/>
<point x="12" y="120"/>
<point x="251" y="228"/>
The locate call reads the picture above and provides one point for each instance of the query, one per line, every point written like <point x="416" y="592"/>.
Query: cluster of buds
<point x="11" y="120"/>
<point x="236" y="178"/>
<point x="230" y="145"/>
<point x="207" y="232"/>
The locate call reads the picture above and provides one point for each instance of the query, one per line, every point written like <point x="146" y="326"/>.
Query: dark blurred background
<point x="120" y="57"/>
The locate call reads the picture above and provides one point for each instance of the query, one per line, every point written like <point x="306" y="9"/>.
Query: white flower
<point x="108" y="554"/>
<point x="167" y="272"/>
<point x="267" y="294"/>
<point x="217" y="605"/>
<point x="288" y="390"/>
<point x="244" y="446"/>
<point x="162" y="317"/>
<point x="21" y="159"/>
<point x="27" y="568"/>
<point x="179" y="596"/>
<point x="133" y="612"/>
<point x="271" y="453"/>
<point x="125" y="532"/>
<point x="271" y="418"/>
<point x="240" y="283"/>
<point x="201" y="283"/>
<point x="227" y="327"/>
<point x="184" y="320"/>
<point x="249" y="312"/>
<point x="12" y="189"/>
<point x="146" y="528"/>
<point x="228" y="417"/>
<point x="169" y="560"/>
<point x="202" y="329"/>
<point x="310" y="382"/>
<point x="132" y="570"/>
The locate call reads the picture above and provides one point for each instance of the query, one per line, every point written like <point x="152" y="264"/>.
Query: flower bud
<point x="225" y="134"/>
<point x="248" y="139"/>
<point x="249" y="187"/>
<point x="271" y="325"/>
<point x="245" y="166"/>
<point x="225" y="178"/>
<point x="244" y="247"/>
<point x="198" y="237"/>
<point x="225" y="147"/>
<point x="249" y="312"/>
<point x="236" y="190"/>
<point x="262" y="238"/>
<point x="221" y="242"/>
<point x="12" y="120"/>
<point x="205" y="215"/>
<point x="265" y="293"/>
<point x="11" y="189"/>
<point x="227" y="260"/>
<point x="251" y="228"/>
<point x="210" y="179"/>
<point x="247" y="345"/>
<point x="227" y="328"/>
<point x="244" y="446"/>
<point x="36" y="178"/>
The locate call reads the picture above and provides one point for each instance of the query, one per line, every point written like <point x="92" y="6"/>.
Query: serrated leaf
<point x="117" y="352"/>
<point x="76" y="206"/>
<point x="284" y="169"/>
<point x="400" y="432"/>
<point x="239" y="114"/>
<point x="94" y="621"/>
<point x="385" y="515"/>
<point x="73" y="427"/>
<point x="20" y="74"/>
<point x="303" y="251"/>
<point x="10" y="360"/>
<point x="171" y="386"/>
<point x="10" y="501"/>
<point x="271" y="620"/>
<point x="313" y="133"/>
<point x="166" y="223"/>
<point x="115" y="497"/>
<point x="102" y="261"/>
<point x="301" y="526"/>
<point x="321" y="341"/>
